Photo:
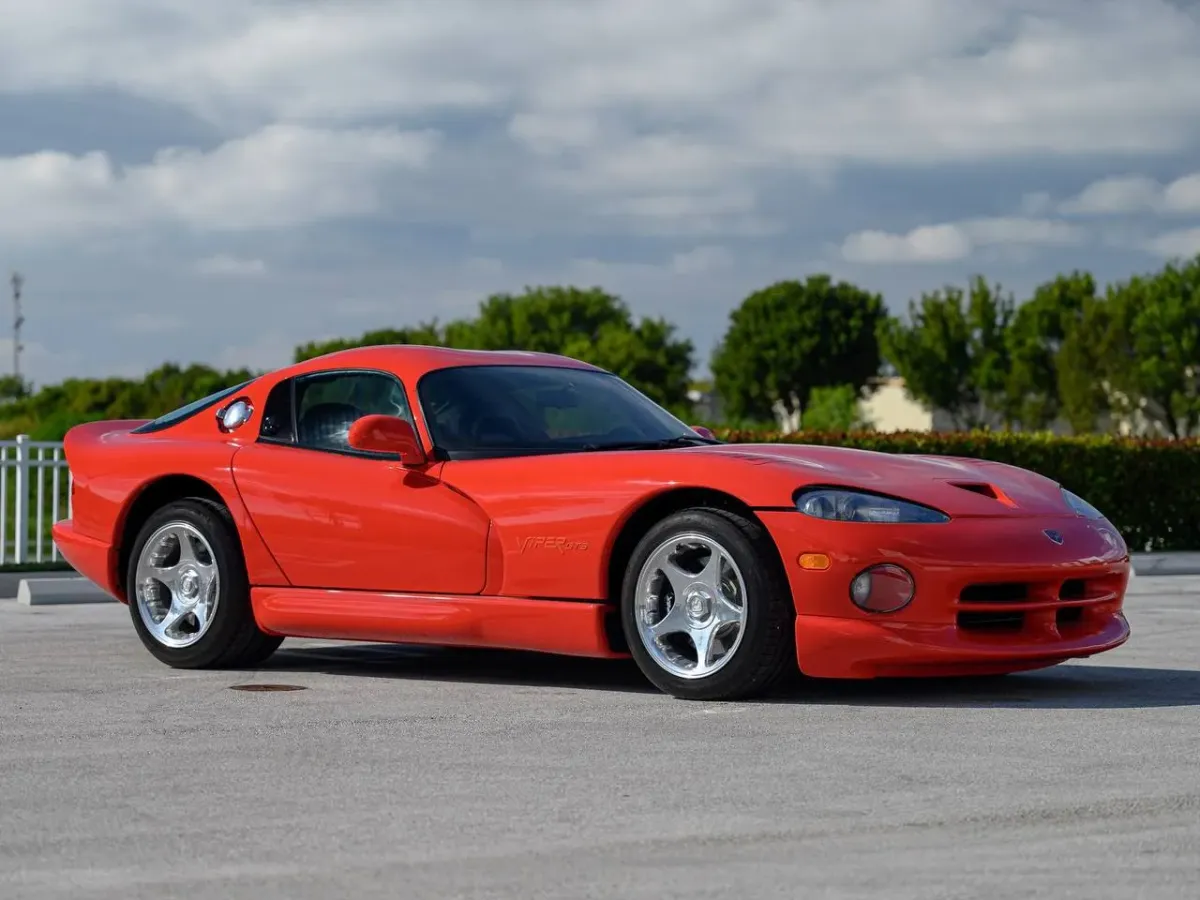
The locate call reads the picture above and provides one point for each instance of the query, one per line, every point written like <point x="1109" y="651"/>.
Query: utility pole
<point x="18" y="321"/>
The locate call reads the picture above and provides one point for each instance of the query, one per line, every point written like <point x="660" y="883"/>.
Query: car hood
<point x="956" y="485"/>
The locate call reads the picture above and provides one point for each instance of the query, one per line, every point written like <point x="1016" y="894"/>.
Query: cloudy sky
<point x="217" y="181"/>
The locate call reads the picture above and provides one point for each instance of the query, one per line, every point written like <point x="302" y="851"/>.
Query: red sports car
<point x="518" y="500"/>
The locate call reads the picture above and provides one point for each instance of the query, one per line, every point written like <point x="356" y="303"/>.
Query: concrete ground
<point x="398" y="774"/>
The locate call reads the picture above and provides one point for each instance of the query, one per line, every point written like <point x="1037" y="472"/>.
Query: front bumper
<point x="992" y="595"/>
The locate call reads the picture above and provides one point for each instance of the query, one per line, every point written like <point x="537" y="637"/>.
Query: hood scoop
<point x="985" y="490"/>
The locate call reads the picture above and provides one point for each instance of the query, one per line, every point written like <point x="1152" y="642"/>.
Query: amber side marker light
<point x="813" y="561"/>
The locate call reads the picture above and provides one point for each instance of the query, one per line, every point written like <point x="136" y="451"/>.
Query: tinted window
<point x="186" y="412"/>
<point x="328" y="404"/>
<point x="501" y="410"/>
<point x="277" y="421"/>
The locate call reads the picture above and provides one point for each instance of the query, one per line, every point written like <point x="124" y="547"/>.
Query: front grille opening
<point x="989" y="621"/>
<point x="1065" y="618"/>
<point x="1074" y="589"/>
<point x="1002" y="592"/>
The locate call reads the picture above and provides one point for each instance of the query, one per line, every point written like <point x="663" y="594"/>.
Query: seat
<point x="328" y="425"/>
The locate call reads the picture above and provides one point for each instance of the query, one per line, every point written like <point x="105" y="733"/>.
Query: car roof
<point x="411" y="361"/>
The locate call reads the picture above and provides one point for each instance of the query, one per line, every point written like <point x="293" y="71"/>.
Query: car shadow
<point x="470" y="665"/>
<point x="1067" y="686"/>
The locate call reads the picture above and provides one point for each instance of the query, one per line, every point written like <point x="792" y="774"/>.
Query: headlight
<point x="1081" y="506"/>
<point x="858" y="506"/>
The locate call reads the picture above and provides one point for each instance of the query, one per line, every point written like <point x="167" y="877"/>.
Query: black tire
<point x="766" y="648"/>
<point x="233" y="639"/>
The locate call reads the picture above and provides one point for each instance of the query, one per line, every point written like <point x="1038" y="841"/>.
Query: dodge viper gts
<point x="424" y="495"/>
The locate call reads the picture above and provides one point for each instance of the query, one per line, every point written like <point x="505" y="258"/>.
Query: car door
<point x="335" y="517"/>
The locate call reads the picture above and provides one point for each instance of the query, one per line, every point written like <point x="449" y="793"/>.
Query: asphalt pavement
<point x="398" y="773"/>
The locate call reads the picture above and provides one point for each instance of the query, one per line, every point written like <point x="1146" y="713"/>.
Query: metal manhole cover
<point x="267" y="687"/>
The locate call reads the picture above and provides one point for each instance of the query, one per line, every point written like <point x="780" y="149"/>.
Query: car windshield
<point x="487" y="411"/>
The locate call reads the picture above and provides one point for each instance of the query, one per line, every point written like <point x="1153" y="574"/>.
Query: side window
<point x="278" y="425"/>
<point x="326" y="405"/>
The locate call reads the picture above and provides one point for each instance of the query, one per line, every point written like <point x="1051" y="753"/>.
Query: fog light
<point x="882" y="589"/>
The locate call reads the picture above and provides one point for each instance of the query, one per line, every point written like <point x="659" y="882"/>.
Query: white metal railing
<point x="33" y="497"/>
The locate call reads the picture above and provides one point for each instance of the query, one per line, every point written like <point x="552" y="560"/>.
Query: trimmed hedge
<point x="1148" y="489"/>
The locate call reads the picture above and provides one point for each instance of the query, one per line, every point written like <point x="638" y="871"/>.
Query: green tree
<point x="428" y="333"/>
<point x="1035" y="341"/>
<point x="47" y="414"/>
<point x="834" y="409"/>
<point x="542" y="319"/>
<point x="13" y="387"/>
<point x="952" y="353"/>
<point x="792" y="337"/>
<point x="1080" y="375"/>
<point x="587" y="324"/>
<point x="590" y="325"/>
<point x="1151" y="347"/>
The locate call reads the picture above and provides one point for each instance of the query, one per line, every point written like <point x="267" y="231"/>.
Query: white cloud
<point x="551" y="134"/>
<point x="1036" y="203"/>
<point x="1017" y="230"/>
<point x="526" y="136"/>
<point x="1183" y="194"/>
<point x="639" y="106"/>
<point x="698" y="260"/>
<point x="282" y="175"/>
<point x="1136" y="194"/>
<point x="225" y="265"/>
<point x="928" y="243"/>
<point x="1116" y="194"/>
<point x="1182" y="243"/>
<point x="954" y="240"/>
<point x="279" y="176"/>
<point x="54" y="194"/>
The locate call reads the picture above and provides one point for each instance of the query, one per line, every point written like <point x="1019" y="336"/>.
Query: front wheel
<point x="188" y="592"/>
<point x="706" y="609"/>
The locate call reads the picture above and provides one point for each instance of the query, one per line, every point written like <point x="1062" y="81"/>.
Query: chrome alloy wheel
<point x="690" y="605"/>
<point x="177" y="584"/>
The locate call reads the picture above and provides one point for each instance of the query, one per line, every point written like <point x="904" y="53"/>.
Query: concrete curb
<point x="59" y="591"/>
<point x="10" y="582"/>
<point x="1163" y="586"/>
<point x="1154" y="564"/>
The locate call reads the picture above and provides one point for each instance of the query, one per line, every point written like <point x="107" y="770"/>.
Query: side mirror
<point x="387" y="434"/>
<point x="703" y="432"/>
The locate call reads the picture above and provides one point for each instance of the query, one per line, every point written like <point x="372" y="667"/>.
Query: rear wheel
<point x="707" y="612"/>
<point x="188" y="592"/>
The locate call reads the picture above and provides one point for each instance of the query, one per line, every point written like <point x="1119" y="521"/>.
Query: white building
<point x="888" y="407"/>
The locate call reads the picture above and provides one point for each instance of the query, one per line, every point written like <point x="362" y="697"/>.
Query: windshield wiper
<point x="683" y="440"/>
